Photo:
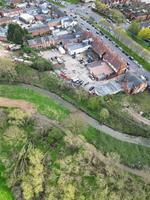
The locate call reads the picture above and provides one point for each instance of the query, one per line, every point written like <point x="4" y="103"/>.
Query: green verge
<point x="139" y="41"/>
<point x="56" y="3"/>
<point x="44" y="105"/>
<point x="140" y="60"/>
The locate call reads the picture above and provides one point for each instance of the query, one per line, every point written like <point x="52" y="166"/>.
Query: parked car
<point x="86" y="83"/>
<point x="91" y="88"/>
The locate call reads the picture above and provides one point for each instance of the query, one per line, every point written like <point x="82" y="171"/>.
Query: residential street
<point x="84" y="10"/>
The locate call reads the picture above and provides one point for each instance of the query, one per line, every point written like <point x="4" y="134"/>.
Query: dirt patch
<point x="13" y="103"/>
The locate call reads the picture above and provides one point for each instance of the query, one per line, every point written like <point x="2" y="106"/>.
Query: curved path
<point x="28" y="107"/>
<point x="92" y="122"/>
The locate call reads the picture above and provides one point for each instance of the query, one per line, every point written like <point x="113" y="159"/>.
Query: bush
<point x="41" y="64"/>
<point x="104" y="114"/>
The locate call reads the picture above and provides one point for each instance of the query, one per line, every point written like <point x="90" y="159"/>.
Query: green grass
<point x="140" y="60"/>
<point x="130" y="154"/>
<point x="44" y="105"/>
<point x="5" y="194"/>
<point x="139" y="41"/>
<point x="73" y="1"/>
<point x="56" y="3"/>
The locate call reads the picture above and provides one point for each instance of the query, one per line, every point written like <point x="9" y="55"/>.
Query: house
<point x="26" y="18"/>
<point x="39" y="30"/>
<point x="106" y="54"/>
<point x="5" y="20"/>
<point x="42" y="42"/>
<point x="11" y="12"/>
<point x="77" y="48"/>
<point x="133" y="83"/>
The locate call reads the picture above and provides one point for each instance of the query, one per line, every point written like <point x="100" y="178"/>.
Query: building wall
<point x="5" y="20"/>
<point x="140" y="88"/>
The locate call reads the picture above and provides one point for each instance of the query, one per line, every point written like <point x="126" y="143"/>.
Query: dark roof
<point x="133" y="80"/>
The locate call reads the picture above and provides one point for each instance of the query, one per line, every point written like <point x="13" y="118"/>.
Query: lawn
<point x="130" y="154"/>
<point x="44" y="105"/>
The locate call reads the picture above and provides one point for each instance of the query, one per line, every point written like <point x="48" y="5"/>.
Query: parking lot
<point x="75" y="70"/>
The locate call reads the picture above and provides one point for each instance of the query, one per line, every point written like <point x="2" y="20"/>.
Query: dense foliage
<point x="16" y="34"/>
<point x="44" y="161"/>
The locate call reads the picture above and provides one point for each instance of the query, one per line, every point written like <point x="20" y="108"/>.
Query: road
<point x="92" y="122"/>
<point x="84" y="10"/>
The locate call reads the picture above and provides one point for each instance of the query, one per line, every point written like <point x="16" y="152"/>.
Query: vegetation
<point x="16" y="34"/>
<point x="107" y="12"/>
<point x="91" y="105"/>
<point x="44" y="161"/>
<point x="41" y="64"/>
<point x="138" y="34"/>
<point x="139" y="157"/>
<point x="2" y="3"/>
<point x="134" y="28"/>
<point x="43" y="104"/>
<point x="144" y="33"/>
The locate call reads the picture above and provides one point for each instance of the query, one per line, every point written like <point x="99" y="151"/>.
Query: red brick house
<point x="115" y="62"/>
<point x="11" y="12"/>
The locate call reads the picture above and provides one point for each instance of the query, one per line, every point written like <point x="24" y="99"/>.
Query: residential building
<point x="39" y="30"/>
<point x="105" y="53"/>
<point x="11" y="12"/>
<point x="5" y="20"/>
<point x="133" y="83"/>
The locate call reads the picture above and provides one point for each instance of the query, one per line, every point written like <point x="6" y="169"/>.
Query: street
<point x="77" y="11"/>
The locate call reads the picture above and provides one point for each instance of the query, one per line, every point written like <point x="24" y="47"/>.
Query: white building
<point x="26" y="18"/>
<point x="77" y="48"/>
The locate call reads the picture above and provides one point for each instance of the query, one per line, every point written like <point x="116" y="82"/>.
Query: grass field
<point x="43" y="104"/>
<point x="130" y="154"/>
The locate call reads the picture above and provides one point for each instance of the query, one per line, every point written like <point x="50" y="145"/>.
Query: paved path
<point x="26" y="106"/>
<point x="92" y="122"/>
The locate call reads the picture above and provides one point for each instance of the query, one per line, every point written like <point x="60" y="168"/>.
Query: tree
<point x="16" y="34"/>
<point x="41" y="64"/>
<point x="144" y="33"/>
<point x="32" y="182"/>
<point x="101" y="7"/>
<point x="117" y="15"/>
<point x="134" y="28"/>
<point x="69" y="192"/>
<point x="104" y="114"/>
